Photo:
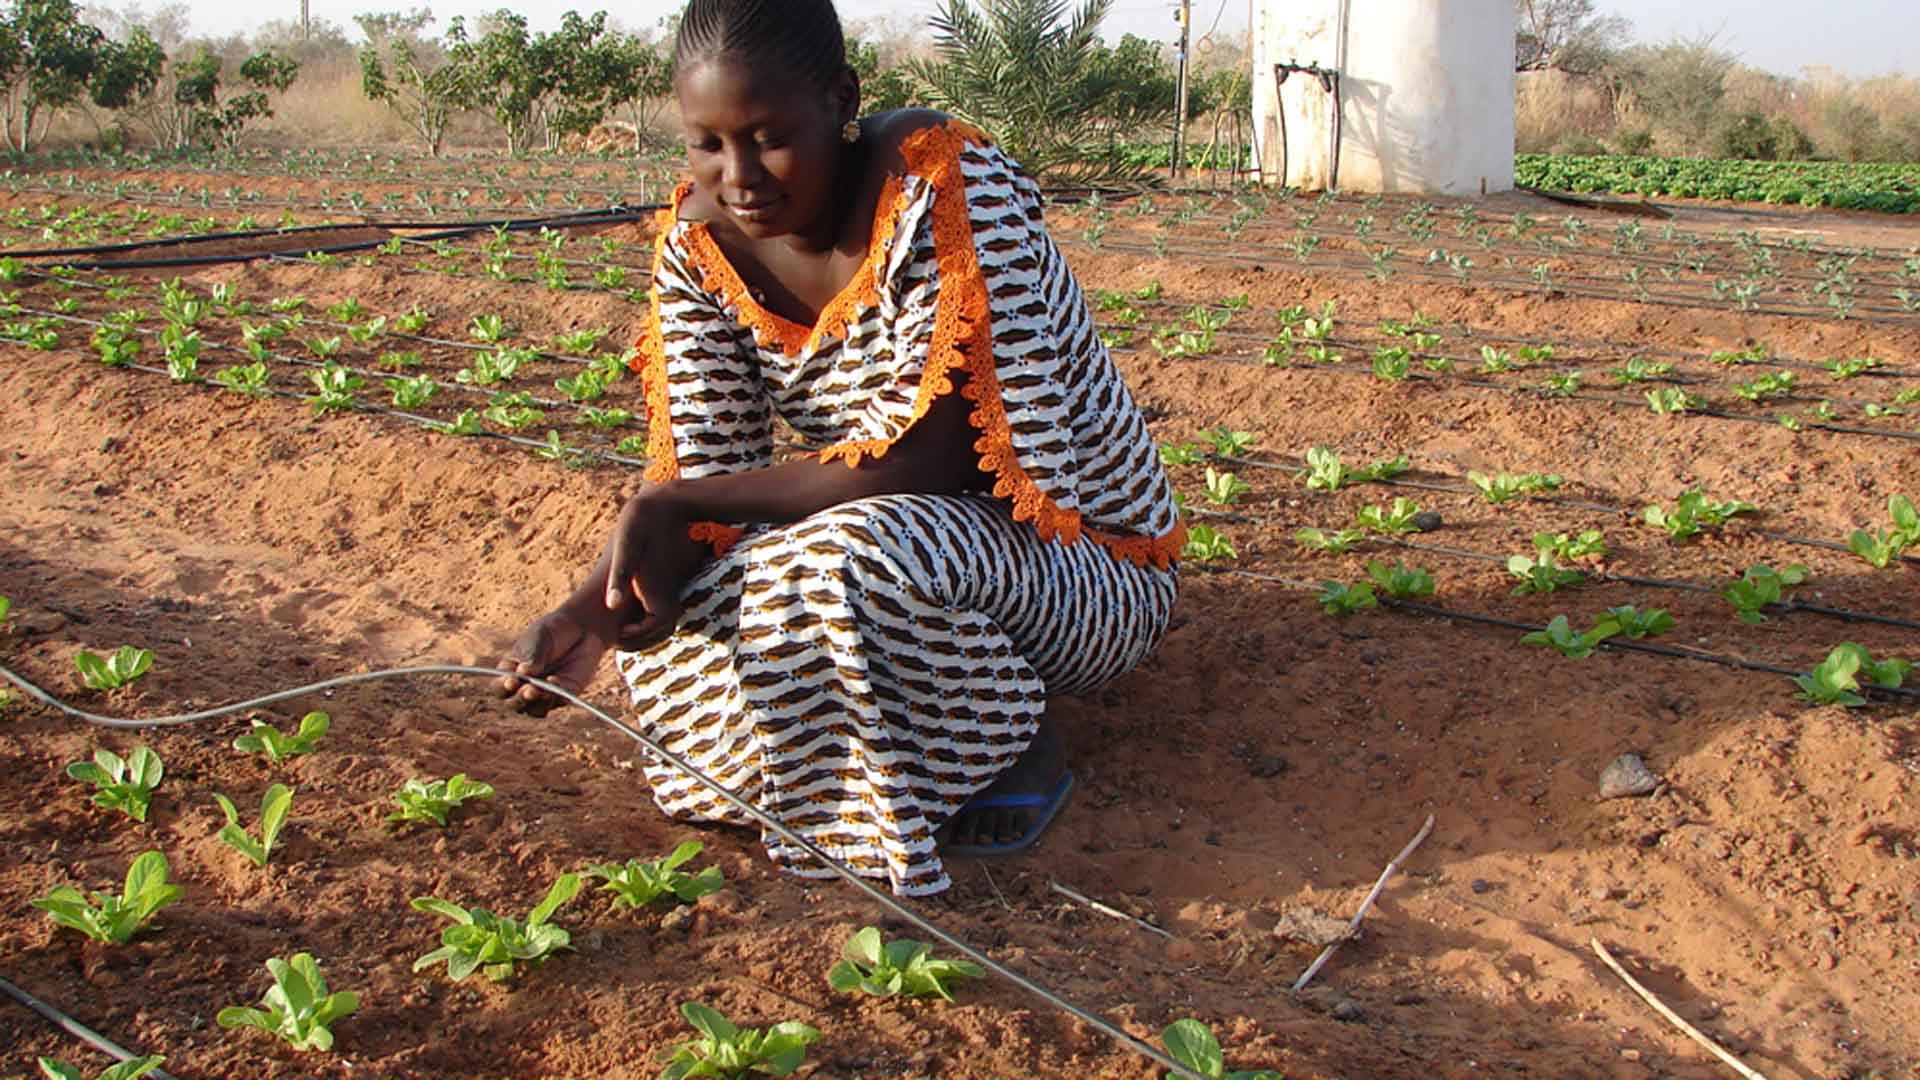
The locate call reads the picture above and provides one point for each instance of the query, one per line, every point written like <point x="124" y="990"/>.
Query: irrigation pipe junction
<point x="660" y="753"/>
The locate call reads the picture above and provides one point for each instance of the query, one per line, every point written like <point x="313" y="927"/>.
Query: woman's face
<point x="765" y="147"/>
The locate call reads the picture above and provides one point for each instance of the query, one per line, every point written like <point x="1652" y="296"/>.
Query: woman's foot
<point x="1029" y="784"/>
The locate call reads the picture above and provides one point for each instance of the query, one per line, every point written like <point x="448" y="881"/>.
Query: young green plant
<point x="130" y="1069"/>
<point x="1836" y="680"/>
<point x="122" y="784"/>
<point x="901" y="968"/>
<point x="115" y="919"/>
<point x="495" y="944"/>
<point x="297" y="1007"/>
<point x="1760" y="587"/>
<point x="266" y="739"/>
<point x="1193" y="1045"/>
<point x="434" y="800"/>
<point x="731" y="1053"/>
<point x="116" y="671"/>
<point x="274" y="807"/>
<point x="637" y="883"/>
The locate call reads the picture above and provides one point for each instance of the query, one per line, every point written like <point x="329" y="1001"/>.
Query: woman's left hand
<point x="652" y="560"/>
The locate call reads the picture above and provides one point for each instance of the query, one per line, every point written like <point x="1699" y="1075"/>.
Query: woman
<point x="861" y="640"/>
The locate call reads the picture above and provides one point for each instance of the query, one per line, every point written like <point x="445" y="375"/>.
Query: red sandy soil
<point x="1268" y="759"/>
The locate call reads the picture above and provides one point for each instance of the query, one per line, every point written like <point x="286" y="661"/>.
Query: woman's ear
<point x="845" y="94"/>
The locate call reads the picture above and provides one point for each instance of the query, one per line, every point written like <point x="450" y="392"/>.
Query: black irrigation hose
<point x="660" y="753"/>
<point x="1787" y="604"/>
<point x="77" y="1029"/>
<point x="245" y="234"/>
<point x="590" y="217"/>
<point x="1557" y="500"/>
<point x="1670" y="651"/>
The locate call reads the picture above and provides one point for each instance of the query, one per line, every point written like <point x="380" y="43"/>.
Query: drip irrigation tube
<point x="661" y="753"/>
<point x="251" y="234"/>
<point x="1670" y="651"/>
<point x="1576" y="504"/>
<point x="592" y="217"/>
<point x="77" y="1029"/>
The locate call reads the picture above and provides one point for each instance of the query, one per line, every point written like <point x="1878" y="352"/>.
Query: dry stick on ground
<point x="1661" y="1008"/>
<point x="1108" y="911"/>
<point x="1353" y="926"/>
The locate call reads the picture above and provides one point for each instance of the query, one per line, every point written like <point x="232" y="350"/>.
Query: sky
<point x="1856" y="37"/>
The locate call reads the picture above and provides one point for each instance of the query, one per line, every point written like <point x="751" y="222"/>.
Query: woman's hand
<point x="631" y="600"/>
<point x="563" y="647"/>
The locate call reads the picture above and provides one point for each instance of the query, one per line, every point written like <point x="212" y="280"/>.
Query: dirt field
<point x="1269" y="759"/>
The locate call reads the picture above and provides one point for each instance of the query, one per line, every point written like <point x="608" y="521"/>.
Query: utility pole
<point x="1185" y="18"/>
<point x="306" y="21"/>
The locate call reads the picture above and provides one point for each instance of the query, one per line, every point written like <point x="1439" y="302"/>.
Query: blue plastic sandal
<point x="1049" y="805"/>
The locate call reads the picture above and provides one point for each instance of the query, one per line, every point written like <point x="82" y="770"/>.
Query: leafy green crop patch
<point x="496" y="945"/>
<point x="1893" y="189"/>
<point x="115" y="919"/>
<point x="434" y="800"/>
<point x="123" y="784"/>
<point x="733" y="1053"/>
<point x="637" y="883"/>
<point x="901" y="968"/>
<point x="297" y="1008"/>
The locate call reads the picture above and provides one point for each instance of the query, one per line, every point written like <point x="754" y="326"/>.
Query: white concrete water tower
<point x="1410" y="96"/>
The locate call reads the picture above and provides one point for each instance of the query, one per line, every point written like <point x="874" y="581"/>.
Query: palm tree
<point x="1035" y="75"/>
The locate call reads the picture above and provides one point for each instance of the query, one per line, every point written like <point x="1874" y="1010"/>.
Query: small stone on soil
<point x="1265" y="767"/>
<point x="1479" y="885"/>
<point x="1627" y="776"/>
<point x="1348" y="1012"/>
<point x="1312" y="927"/>
<point x="1427" y="520"/>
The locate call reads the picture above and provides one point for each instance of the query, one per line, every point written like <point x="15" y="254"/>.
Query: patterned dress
<point x="860" y="673"/>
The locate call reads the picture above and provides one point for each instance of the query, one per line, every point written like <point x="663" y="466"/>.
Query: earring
<point x="850" y="133"/>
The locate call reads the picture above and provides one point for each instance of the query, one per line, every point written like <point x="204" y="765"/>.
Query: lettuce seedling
<point x="412" y="393"/>
<point x="1326" y="472"/>
<point x="274" y="807"/>
<point x="1671" y="401"/>
<point x="1836" y="679"/>
<point x="123" y="785"/>
<point x="895" y="968"/>
<point x="277" y="746"/>
<point x="422" y="800"/>
<point x="1567" y="548"/>
<point x="1541" y="573"/>
<point x="605" y="419"/>
<point x="1560" y="635"/>
<point x="487" y="328"/>
<point x="1336" y="543"/>
<point x="130" y="1069"/>
<point x="495" y="944"/>
<point x="467" y="423"/>
<point x="1181" y="454"/>
<point x="1505" y="487"/>
<point x="1224" y="488"/>
<point x="638" y="884"/>
<point x="1693" y="511"/>
<point x="1393" y="520"/>
<point x="1848" y="368"/>
<point x="248" y="379"/>
<point x="6" y="606"/>
<point x="1227" y="443"/>
<point x="1339" y="599"/>
<point x="115" y="919"/>
<point x="727" y="1052"/>
<point x="1759" y="587"/>
<point x="1193" y="1045"/>
<point x="1401" y="582"/>
<point x="1638" y="624"/>
<point x="334" y="387"/>
<point x="1638" y="370"/>
<point x="126" y="665"/>
<point x="587" y="386"/>
<point x="297" y="1007"/>
<point x="1881" y="547"/>
<point x="1207" y="545"/>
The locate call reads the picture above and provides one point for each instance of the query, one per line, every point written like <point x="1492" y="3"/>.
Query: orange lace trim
<point x="650" y="361"/>
<point x="776" y="331"/>
<point x="962" y="340"/>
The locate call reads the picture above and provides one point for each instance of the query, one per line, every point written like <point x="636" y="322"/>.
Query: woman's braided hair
<point x="800" y="37"/>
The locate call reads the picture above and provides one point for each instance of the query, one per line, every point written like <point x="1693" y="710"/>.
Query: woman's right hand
<point x="562" y="647"/>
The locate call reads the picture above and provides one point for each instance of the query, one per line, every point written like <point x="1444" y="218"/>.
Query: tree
<point x="1038" y="78"/>
<point x="47" y="61"/>
<point x="412" y="78"/>
<point x="639" y="78"/>
<point x="1567" y="35"/>
<point x="881" y="88"/>
<point x="188" y="105"/>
